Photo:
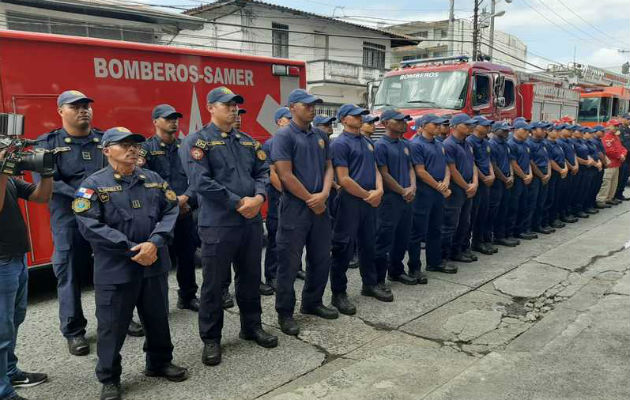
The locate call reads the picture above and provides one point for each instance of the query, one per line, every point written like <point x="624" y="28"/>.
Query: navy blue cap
<point x="119" y="133"/>
<point x="539" y="124"/>
<point x="282" y="112"/>
<point x="323" y="120"/>
<point x="302" y="96"/>
<point x="165" y="111"/>
<point x="392" y="113"/>
<point x="350" y="109"/>
<point x="500" y="126"/>
<point x="224" y="95"/>
<point x="522" y="125"/>
<point x="483" y="121"/>
<point x="598" y="128"/>
<point x="370" y="119"/>
<point x="429" y="119"/>
<point x="518" y="119"/>
<point x="72" y="96"/>
<point x="462" y="118"/>
<point x="559" y="127"/>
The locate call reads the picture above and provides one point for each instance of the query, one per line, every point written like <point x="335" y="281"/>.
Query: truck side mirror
<point x="500" y="101"/>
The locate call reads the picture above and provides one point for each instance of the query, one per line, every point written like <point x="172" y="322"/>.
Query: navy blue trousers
<point x="182" y="253"/>
<point x="298" y="227"/>
<point x="394" y="220"/>
<point x="540" y="199"/>
<point x="479" y="214"/>
<point x="456" y="226"/>
<point x="428" y="218"/>
<point x="355" y="222"/>
<point x="498" y="211"/>
<point x="521" y="201"/>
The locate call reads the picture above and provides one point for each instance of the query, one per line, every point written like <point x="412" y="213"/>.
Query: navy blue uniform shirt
<point x="500" y="154"/>
<point x="460" y="153"/>
<point x="164" y="159"/>
<point x="224" y="167"/>
<point x="595" y="146"/>
<point x="581" y="149"/>
<point x="538" y="153"/>
<point x="556" y="153"/>
<point x="396" y="156"/>
<point x="76" y="158"/>
<point x="115" y="213"/>
<point x="357" y="153"/>
<point x="569" y="150"/>
<point x="429" y="153"/>
<point x="481" y="151"/>
<point x="519" y="152"/>
<point x="308" y="152"/>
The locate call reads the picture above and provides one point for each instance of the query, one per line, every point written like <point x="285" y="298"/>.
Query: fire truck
<point x="451" y="85"/>
<point x="127" y="80"/>
<point x="600" y="103"/>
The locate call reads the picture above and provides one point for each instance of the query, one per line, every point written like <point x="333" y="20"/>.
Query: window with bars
<point x="280" y="40"/>
<point x="373" y="55"/>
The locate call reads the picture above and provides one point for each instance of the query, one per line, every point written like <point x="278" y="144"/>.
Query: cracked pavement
<point x="545" y="320"/>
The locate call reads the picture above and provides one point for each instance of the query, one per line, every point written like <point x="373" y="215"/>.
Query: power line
<point x="585" y="21"/>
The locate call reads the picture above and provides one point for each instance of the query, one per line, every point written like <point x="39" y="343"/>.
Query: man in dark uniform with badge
<point x="565" y="188"/>
<point x="432" y="177"/>
<point x="541" y="167"/>
<point x="302" y="159"/>
<point x="355" y="218"/>
<point x="501" y="189"/>
<point x="228" y="172"/>
<point x="464" y="185"/>
<point x="128" y="215"/>
<point x="160" y="154"/>
<point x="559" y="172"/>
<point x="395" y="215"/>
<point x="624" y="169"/>
<point x="77" y="147"/>
<point x="586" y="162"/>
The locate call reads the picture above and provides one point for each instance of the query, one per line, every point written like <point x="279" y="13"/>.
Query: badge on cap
<point x="77" y="93"/>
<point x="262" y="156"/>
<point x="80" y="205"/>
<point x="170" y="195"/>
<point x="196" y="153"/>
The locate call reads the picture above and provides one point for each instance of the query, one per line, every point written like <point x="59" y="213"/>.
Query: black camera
<point x="17" y="158"/>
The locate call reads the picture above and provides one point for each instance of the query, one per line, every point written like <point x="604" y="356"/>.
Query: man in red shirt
<point x="616" y="153"/>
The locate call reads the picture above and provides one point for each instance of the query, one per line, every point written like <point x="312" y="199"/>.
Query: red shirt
<point x="614" y="149"/>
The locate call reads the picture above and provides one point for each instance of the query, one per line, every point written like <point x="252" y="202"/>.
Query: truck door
<point x="481" y="94"/>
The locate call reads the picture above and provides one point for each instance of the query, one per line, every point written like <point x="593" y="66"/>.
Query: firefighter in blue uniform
<point x="302" y="160"/>
<point x="355" y="222"/>
<point x="464" y="184"/>
<point x="323" y="124"/>
<point x="541" y="168"/>
<point x="394" y="218"/>
<point x="77" y="147"/>
<point x="584" y="175"/>
<point x="624" y="169"/>
<point x="595" y="147"/>
<point x="565" y="189"/>
<point x="228" y="172"/>
<point x="501" y="189"/>
<point x="160" y="154"/>
<point x="481" y="202"/>
<point x="599" y="132"/>
<point x="432" y="177"/>
<point x="522" y="199"/>
<point x="559" y="172"/>
<point x="281" y="117"/>
<point x="128" y="215"/>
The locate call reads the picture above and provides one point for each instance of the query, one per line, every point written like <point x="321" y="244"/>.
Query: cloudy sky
<point x="554" y="30"/>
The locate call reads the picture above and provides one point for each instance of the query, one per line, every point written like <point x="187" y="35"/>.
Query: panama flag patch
<point x="85" y="193"/>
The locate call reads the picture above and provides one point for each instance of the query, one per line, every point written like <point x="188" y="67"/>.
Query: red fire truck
<point x="452" y="85"/>
<point x="127" y="80"/>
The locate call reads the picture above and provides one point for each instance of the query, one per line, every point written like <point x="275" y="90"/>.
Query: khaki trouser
<point x="609" y="185"/>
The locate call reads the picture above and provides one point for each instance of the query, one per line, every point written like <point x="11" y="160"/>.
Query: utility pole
<point x="451" y="26"/>
<point x="476" y="31"/>
<point x="493" y="5"/>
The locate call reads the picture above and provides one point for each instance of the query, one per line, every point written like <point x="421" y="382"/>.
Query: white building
<point x="341" y="57"/>
<point x="105" y="19"/>
<point x="435" y="42"/>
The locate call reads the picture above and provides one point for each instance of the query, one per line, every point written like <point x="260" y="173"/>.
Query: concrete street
<point x="549" y="319"/>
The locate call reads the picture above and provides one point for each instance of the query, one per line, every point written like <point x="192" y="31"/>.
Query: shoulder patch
<point x="253" y="144"/>
<point x="262" y="156"/>
<point x="216" y="143"/>
<point x="157" y="153"/>
<point x="85" y="193"/>
<point x="80" y="205"/>
<point x="197" y="153"/>
<point x="170" y="195"/>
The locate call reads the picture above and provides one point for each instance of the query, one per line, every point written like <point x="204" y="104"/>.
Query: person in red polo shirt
<point x="616" y="153"/>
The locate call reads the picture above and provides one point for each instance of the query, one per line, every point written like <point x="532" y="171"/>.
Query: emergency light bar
<point x="285" y="70"/>
<point x="409" y="63"/>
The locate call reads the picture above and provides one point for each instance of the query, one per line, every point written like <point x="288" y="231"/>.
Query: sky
<point x="589" y="31"/>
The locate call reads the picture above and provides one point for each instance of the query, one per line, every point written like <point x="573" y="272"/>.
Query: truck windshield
<point x="423" y="90"/>
<point x="594" y="109"/>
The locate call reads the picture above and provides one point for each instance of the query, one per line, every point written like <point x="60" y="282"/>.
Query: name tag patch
<point x="136" y="204"/>
<point x="86" y="155"/>
<point x="107" y="189"/>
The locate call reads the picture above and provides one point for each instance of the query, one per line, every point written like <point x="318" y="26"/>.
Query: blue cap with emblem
<point x="119" y="133"/>
<point x="483" y="121"/>
<point x="429" y="119"/>
<point x="462" y="118"/>
<point x="350" y="109"/>
<point x="224" y="95"/>
<point x="302" y="96"/>
<point x="72" y="96"/>
<point x="500" y="126"/>
<point x="522" y="125"/>
<point x="394" y="114"/>
<point x="165" y="111"/>
<point x="370" y="119"/>
<point x="282" y="112"/>
<point x="323" y="120"/>
<point x="598" y="128"/>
